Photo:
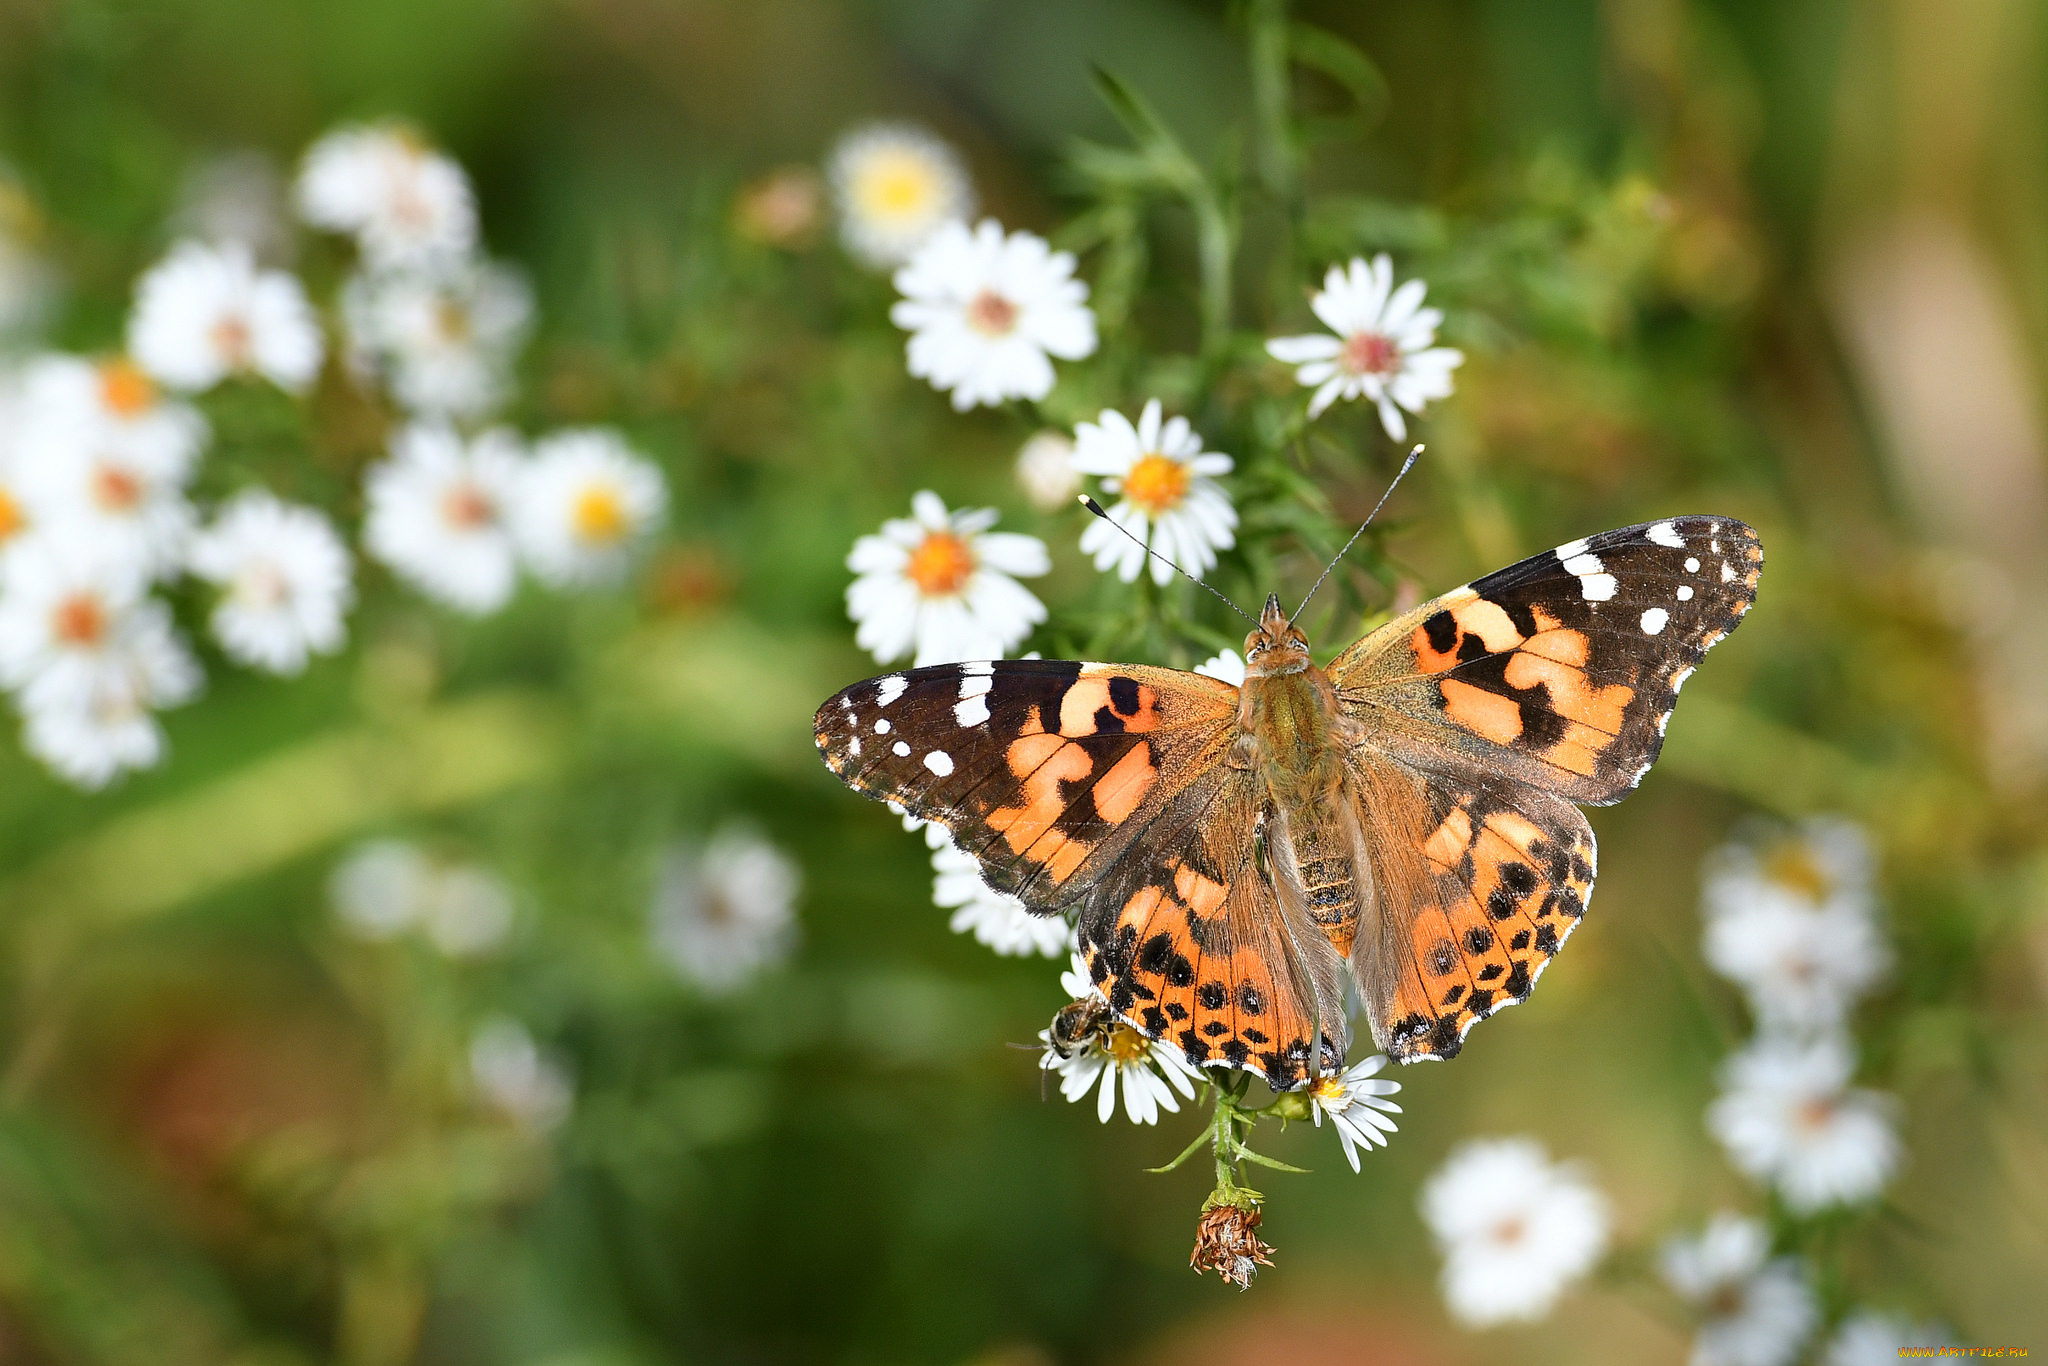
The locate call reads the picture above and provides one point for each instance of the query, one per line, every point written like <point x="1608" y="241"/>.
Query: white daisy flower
<point x="1150" y="1071"/>
<point x="404" y="202"/>
<point x="1758" y="1312"/>
<point x="894" y="184"/>
<point x="15" y="522"/>
<point x="1866" y="1338"/>
<point x="1355" y="1102"/>
<point x="994" y="918"/>
<point x="101" y="455"/>
<point x="286" y="576"/>
<point x="1383" y="350"/>
<point x="1227" y="667"/>
<point x="379" y="890"/>
<point x="725" y="913"/>
<point x="465" y="910"/>
<point x="586" y="503"/>
<point x="1793" y="921"/>
<point x="1786" y="1115"/>
<point x="439" y="513"/>
<point x="1515" y="1229"/>
<point x="517" y="1079"/>
<point x="204" y="313"/>
<point x="985" y="310"/>
<point x="1046" y="473"/>
<point x="944" y="586"/>
<point x="1169" y="497"/>
<point x="445" y="338"/>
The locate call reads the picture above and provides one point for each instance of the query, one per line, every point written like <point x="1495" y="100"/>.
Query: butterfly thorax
<point x="1293" y="735"/>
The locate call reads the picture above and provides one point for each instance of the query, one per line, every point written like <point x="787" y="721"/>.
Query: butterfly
<point x="1404" y="820"/>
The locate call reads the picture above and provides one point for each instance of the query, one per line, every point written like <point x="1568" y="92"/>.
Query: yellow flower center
<point x="13" y="521"/>
<point x="79" y="620"/>
<point x="1793" y="865"/>
<point x="895" y="184"/>
<point x="124" y="388"/>
<point x="1369" y="353"/>
<point x="1328" y="1089"/>
<point x="1157" y="484"/>
<point x="941" y="564"/>
<point x="1126" y="1044"/>
<point x="990" y="314"/>
<point x="599" y="515"/>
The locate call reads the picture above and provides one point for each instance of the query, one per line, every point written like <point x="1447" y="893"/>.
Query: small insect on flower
<point x="586" y="504"/>
<point x="1757" y="1311"/>
<point x="439" y="514"/>
<point x="404" y="202"/>
<point x="1227" y="1241"/>
<point x="1515" y="1229"/>
<point x="1383" y="349"/>
<point x="985" y="310"/>
<point x="444" y="338"/>
<point x="1109" y="1050"/>
<point x="206" y="313"/>
<point x="1167" y="494"/>
<point x="1355" y="1101"/>
<point x="723" y="914"/>
<point x="285" y="576"/>
<point x="943" y="586"/>
<point x="894" y="184"/>
<point x="1787" y="1115"/>
<point x="1078" y="1023"/>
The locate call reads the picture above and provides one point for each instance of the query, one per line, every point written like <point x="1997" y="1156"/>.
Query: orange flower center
<point x="115" y="489"/>
<point x="990" y="314"/>
<point x="1126" y="1044"/>
<point x="599" y="515"/>
<point x="79" y="620"/>
<point x="1157" y="484"/>
<point x="231" y="338"/>
<point x="1328" y="1089"/>
<point x="1369" y="353"/>
<point x="1815" y="1113"/>
<point x="12" y="519"/>
<point x="466" y="506"/>
<point x="941" y="565"/>
<point x="124" y="388"/>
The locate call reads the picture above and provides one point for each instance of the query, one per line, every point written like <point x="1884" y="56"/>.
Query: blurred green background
<point x="1782" y="261"/>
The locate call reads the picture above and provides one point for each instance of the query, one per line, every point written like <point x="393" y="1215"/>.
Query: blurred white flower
<point x="1046" y="473"/>
<point x="514" y="1077"/>
<point x="445" y="338"/>
<point x="15" y="522"/>
<point x="941" y="584"/>
<point x="1515" y="1229"/>
<point x="1793" y="922"/>
<point x="204" y="313"/>
<point x="286" y="579"/>
<point x="1169" y="496"/>
<point x="378" y="891"/>
<point x="994" y="918"/>
<point x="236" y="197"/>
<point x="894" y="184"/>
<point x="723" y="914"/>
<point x="1355" y="1101"/>
<point x="101" y="456"/>
<point x="1787" y="1115"/>
<point x="1758" y="1312"/>
<point x="1149" y="1071"/>
<point x="1383" y="350"/>
<point x="1227" y="667"/>
<point x="1866" y="1338"/>
<point x="439" y="513"/>
<point x="985" y="310"/>
<point x="585" y="503"/>
<point x="405" y="203"/>
<point x="465" y="910"/>
<point x="27" y="283"/>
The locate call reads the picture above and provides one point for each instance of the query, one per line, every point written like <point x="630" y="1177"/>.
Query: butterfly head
<point x="1276" y="647"/>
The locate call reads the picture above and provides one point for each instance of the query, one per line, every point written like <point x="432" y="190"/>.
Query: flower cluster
<point x="388" y="887"/>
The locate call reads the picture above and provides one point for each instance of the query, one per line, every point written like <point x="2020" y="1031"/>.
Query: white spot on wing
<point x="1570" y="549"/>
<point x="1654" y="619"/>
<point x="853" y="748"/>
<point x="1596" y="587"/>
<point x="1692" y="566"/>
<point x="900" y="750"/>
<point x="882" y="726"/>
<point x="1685" y="592"/>
<point x="939" y="762"/>
<point x="981" y="668"/>
<point x="1727" y="572"/>
<point x="1583" y="564"/>
<point x="889" y="689"/>
<point x="1663" y="533"/>
<point x="971" y="711"/>
<point x="974" y="685"/>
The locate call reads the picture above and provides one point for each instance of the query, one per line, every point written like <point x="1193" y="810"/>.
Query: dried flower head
<point x="1227" y="1241"/>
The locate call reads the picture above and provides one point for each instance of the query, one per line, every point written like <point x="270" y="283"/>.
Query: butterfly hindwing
<point x="1045" y="770"/>
<point x="1562" y="670"/>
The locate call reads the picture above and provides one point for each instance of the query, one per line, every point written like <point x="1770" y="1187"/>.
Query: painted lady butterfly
<point x="1404" y="816"/>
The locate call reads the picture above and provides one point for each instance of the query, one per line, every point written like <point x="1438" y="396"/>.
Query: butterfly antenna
<point x="1096" y="508"/>
<point x="1406" y="466"/>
